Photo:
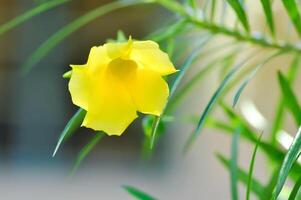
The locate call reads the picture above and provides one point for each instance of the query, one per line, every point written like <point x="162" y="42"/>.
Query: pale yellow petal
<point x="98" y="59"/>
<point x="79" y="86"/>
<point x="149" y="92"/>
<point x="111" y="108"/>
<point x="119" y="50"/>
<point x="149" y="56"/>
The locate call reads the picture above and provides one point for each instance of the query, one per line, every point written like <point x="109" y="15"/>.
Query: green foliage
<point x="240" y="12"/>
<point x="138" y="194"/>
<point x="293" y="12"/>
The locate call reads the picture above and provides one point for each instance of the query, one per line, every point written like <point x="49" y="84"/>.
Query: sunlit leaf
<point x="73" y="124"/>
<point x="240" y="12"/>
<point x="70" y="28"/>
<point x="293" y="12"/>
<point x="138" y="194"/>
<point x="267" y="7"/>
<point x="86" y="150"/>
<point x="288" y="162"/>
<point x="295" y="191"/>
<point x="29" y="14"/>
<point x="251" y="169"/>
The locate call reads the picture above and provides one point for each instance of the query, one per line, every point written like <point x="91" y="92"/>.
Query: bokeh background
<point x="35" y="108"/>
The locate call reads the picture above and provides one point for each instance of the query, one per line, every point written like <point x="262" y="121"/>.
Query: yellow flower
<point x="118" y="80"/>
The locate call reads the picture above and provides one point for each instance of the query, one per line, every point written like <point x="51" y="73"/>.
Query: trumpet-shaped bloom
<point x="118" y="80"/>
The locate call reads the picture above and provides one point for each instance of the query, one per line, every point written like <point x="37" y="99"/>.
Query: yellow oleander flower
<point x="118" y="80"/>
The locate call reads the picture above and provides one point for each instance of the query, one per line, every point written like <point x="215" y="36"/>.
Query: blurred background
<point x="35" y="108"/>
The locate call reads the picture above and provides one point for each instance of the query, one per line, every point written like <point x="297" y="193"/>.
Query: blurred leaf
<point x="213" y="8"/>
<point x="176" y="83"/>
<point x="86" y="150"/>
<point x="73" y="124"/>
<point x="293" y="11"/>
<point x="251" y="75"/>
<point x="67" y="74"/>
<point x="29" y="14"/>
<point x="251" y="169"/>
<point x="267" y="7"/>
<point x="240" y="12"/>
<point x="212" y="102"/>
<point x="288" y="162"/>
<point x="121" y="36"/>
<point x="279" y="116"/>
<point x="295" y="191"/>
<point x="271" y="184"/>
<point x="290" y="99"/>
<point x="138" y="194"/>
<point x="192" y="3"/>
<point x="70" y="28"/>
<point x="256" y="187"/>
<point x="168" y="31"/>
<point x="233" y="163"/>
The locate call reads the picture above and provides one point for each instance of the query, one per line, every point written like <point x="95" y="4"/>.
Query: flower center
<point x="122" y="69"/>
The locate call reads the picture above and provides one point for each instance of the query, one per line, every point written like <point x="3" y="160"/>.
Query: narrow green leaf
<point x="138" y="194"/>
<point x="86" y="150"/>
<point x="73" y="124"/>
<point x="70" y="28"/>
<point x="271" y="184"/>
<point x="213" y="8"/>
<point x="251" y="76"/>
<point x="29" y="14"/>
<point x="295" y="191"/>
<point x="240" y="12"/>
<point x="290" y="99"/>
<point x="192" y="3"/>
<point x="233" y="163"/>
<point x="288" y="162"/>
<point x="256" y="187"/>
<point x="251" y="169"/>
<point x="213" y="101"/>
<point x="279" y="115"/>
<point x="267" y="7"/>
<point x="292" y="10"/>
<point x="176" y="83"/>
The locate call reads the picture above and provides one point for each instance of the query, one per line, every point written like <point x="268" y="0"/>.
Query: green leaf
<point x="233" y="163"/>
<point x="176" y="83"/>
<point x="73" y="124"/>
<point x="213" y="8"/>
<point x="251" y="75"/>
<point x="288" y="162"/>
<point x="279" y="115"/>
<point x="29" y="14"/>
<point x="138" y="194"/>
<point x="251" y="169"/>
<point x="212" y="102"/>
<point x="292" y="10"/>
<point x="296" y="188"/>
<point x="267" y="7"/>
<point x="86" y="150"/>
<point x="290" y="99"/>
<point x="70" y="28"/>
<point x="240" y="12"/>
<point x="256" y="187"/>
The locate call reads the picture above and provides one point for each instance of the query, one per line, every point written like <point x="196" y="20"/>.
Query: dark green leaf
<point x="138" y="194"/>
<point x="86" y="150"/>
<point x="251" y="169"/>
<point x="233" y="163"/>
<point x="289" y="97"/>
<point x="293" y="12"/>
<point x="70" y="28"/>
<point x="212" y="102"/>
<point x="267" y="7"/>
<point x="288" y="162"/>
<point x="294" y="193"/>
<point x="73" y="124"/>
<point x="256" y="186"/>
<point x="240" y="12"/>
<point x="29" y="14"/>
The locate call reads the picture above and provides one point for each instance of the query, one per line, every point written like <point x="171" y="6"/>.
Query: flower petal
<point x="111" y="108"/>
<point x="149" y="55"/>
<point x="149" y="92"/>
<point x="98" y="59"/>
<point x="120" y="49"/>
<point x="79" y="86"/>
